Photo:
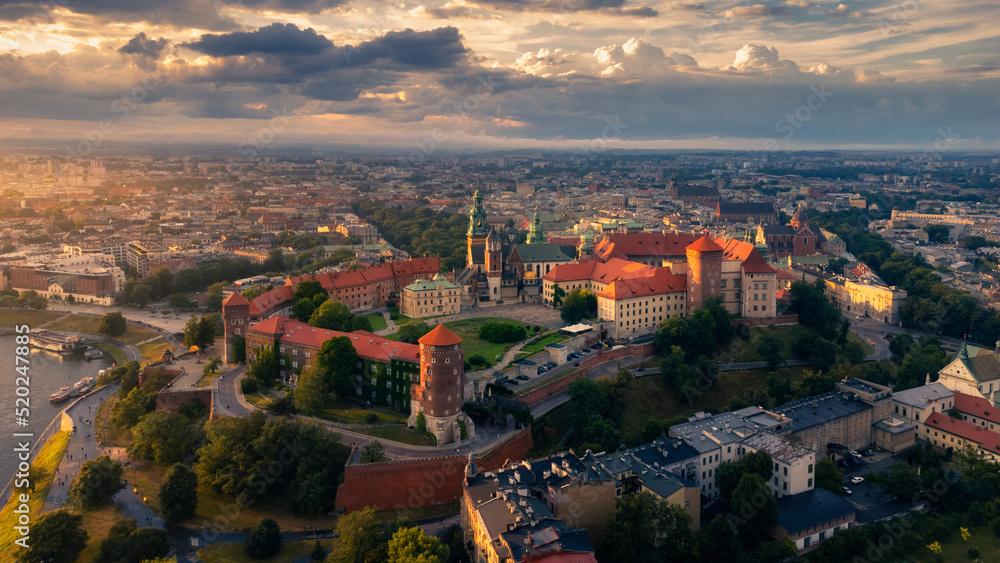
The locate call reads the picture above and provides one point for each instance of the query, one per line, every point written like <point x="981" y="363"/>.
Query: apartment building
<point x="916" y="405"/>
<point x="794" y="465"/>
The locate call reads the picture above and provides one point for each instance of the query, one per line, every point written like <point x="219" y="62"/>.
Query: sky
<point x="436" y="75"/>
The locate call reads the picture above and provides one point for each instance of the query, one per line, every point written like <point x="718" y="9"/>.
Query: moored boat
<point x="60" y="395"/>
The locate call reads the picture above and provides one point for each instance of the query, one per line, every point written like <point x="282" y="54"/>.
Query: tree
<point x="372" y="452"/>
<point x="772" y="350"/>
<point x="164" y="437"/>
<point x="828" y="476"/>
<point x="213" y="364"/>
<point x="412" y="331"/>
<point x="179" y="301"/>
<point x="61" y="538"/>
<point x="179" y="493"/>
<point x="578" y="305"/>
<point x="719" y="541"/>
<point x="265" y="366"/>
<point x="127" y="543"/>
<point x="413" y="545"/>
<point x="339" y="361"/>
<point x="900" y="346"/>
<point x="332" y="315"/>
<point x="754" y="504"/>
<point x="99" y="479"/>
<point x="900" y="481"/>
<point x="239" y="349"/>
<point x="358" y="536"/>
<point x="648" y="529"/>
<point x="214" y="296"/>
<point x="586" y="398"/>
<point x="200" y="332"/>
<point x="275" y="261"/>
<point x="264" y="540"/>
<point x="558" y="294"/>
<point x="601" y="432"/>
<point x="853" y="352"/>
<point x="318" y="552"/>
<point x="729" y="474"/>
<point x="130" y="379"/>
<point x="724" y="330"/>
<point x="939" y="234"/>
<point x="113" y="324"/>
<point x="810" y="303"/>
<point x="312" y="392"/>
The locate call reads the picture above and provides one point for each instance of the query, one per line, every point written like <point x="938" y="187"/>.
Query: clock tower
<point x="478" y="231"/>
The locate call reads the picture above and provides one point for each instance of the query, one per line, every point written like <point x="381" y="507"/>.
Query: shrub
<point x="371" y="418"/>
<point x="500" y="333"/>
<point x="248" y="385"/>
<point x="743" y="331"/>
<point x="477" y="360"/>
<point x="973" y="553"/>
<point x="996" y="527"/>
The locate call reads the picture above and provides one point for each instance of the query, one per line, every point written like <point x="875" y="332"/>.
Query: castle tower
<point x="704" y="276"/>
<point x="441" y="390"/>
<point x="235" y="318"/>
<point x="478" y="230"/>
<point x="494" y="264"/>
<point x="535" y="233"/>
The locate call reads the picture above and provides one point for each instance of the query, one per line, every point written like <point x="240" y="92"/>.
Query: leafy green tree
<point x="900" y="346"/>
<point x="214" y="296"/>
<point x="558" y="294"/>
<point x="722" y="318"/>
<point x="754" y="504"/>
<point x="729" y="474"/>
<point x="900" y="481"/>
<point x="129" y="379"/>
<point x="358" y="534"/>
<point x="939" y="234"/>
<point x="99" y="479"/>
<point x="719" y="541"/>
<point x="810" y="303"/>
<point x="61" y="538"/>
<point x="372" y="452"/>
<point x="179" y="301"/>
<point x="586" y="398"/>
<point x="312" y="392"/>
<point x="772" y="350"/>
<point x="853" y="352"/>
<point x="127" y="543"/>
<point x="265" y="366"/>
<point x="648" y="529"/>
<point x="264" y="540"/>
<point x="578" y="305"/>
<point x="332" y="315"/>
<point x="239" y="354"/>
<point x="338" y="360"/>
<point x="126" y="413"/>
<point x="412" y="331"/>
<point x="601" y="432"/>
<point x="179" y="493"/>
<point x="318" y="552"/>
<point x="200" y="332"/>
<point x="164" y="437"/>
<point x="828" y="476"/>
<point x="413" y="545"/>
<point x="113" y="324"/>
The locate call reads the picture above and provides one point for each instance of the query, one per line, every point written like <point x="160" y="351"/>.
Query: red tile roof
<point x="704" y="244"/>
<point x="235" y="299"/>
<point x="978" y="406"/>
<point x="986" y="439"/>
<point x="277" y="297"/>
<point x="440" y="336"/>
<point x="662" y="281"/>
<point x="371" y="274"/>
<point x="368" y="345"/>
<point x="623" y="245"/>
<point x="604" y="272"/>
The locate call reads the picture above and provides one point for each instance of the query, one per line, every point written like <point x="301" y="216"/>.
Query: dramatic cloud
<point x="609" y="7"/>
<point x="143" y="46"/>
<point x="275" y="39"/>
<point x="760" y="58"/>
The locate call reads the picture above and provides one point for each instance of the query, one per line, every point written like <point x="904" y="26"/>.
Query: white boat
<point x="83" y="386"/>
<point x="60" y="395"/>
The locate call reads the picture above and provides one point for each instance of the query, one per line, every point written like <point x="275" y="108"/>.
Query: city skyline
<point x="530" y="74"/>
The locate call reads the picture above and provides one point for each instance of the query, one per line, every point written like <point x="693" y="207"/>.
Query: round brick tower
<point x="704" y="278"/>
<point x="235" y="317"/>
<point x="441" y="390"/>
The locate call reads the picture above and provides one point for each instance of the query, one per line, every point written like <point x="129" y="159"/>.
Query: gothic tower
<point x="441" y="390"/>
<point x="494" y="264"/>
<point x="704" y="277"/>
<point x="235" y="317"/>
<point x="535" y="234"/>
<point x="478" y="230"/>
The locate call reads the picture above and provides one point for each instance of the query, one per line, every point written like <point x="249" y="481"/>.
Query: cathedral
<point x="500" y="271"/>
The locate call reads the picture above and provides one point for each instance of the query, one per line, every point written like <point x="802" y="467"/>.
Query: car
<point x="523" y="377"/>
<point x="855" y="453"/>
<point x="585" y="351"/>
<point x="540" y="370"/>
<point x="842" y="464"/>
<point x="847" y="491"/>
<point x="576" y="364"/>
<point x="640" y="369"/>
<point x="867" y="453"/>
<point x="857" y="480"/>
<point x="573" y="355"/>
<point x="512" y="382"/>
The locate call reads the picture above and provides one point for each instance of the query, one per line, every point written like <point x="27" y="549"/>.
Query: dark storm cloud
<point x="144" y="46"/>
<point x="437" y="48"/>
<point x="276" y="39"/>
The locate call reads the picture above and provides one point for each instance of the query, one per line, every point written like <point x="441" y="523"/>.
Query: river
<point x="48" y="373"/>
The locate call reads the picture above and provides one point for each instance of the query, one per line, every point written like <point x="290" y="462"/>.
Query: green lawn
<point x="851" y="337"/>
<point x="117" y="353"/>
<point x="541" y="343"/>
<point x="97" y="522"/>
<point x="468" y="331"/>
<point x="398" y="434"/>
<point x="87" y="324"/>
<point x="349" y="413"/>
<point x="153" y="351"/>
<point x="234" y="553"/>
<point x="377" y="320"/>
<point x="45" y="465"/>
<point x="29" y="317"/>
<point x="257" y="400"/>
<point x="982" y="539"/>
<point x="206" y="380"/>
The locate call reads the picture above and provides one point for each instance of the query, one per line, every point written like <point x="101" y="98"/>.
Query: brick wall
<point x="421" y="482"/>
<point x="558" y="386"/>
<point x="791" y="319"/>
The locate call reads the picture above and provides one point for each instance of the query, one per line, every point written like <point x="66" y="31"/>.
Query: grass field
<point x="982" y="539"/>
<point x="206" y="380"/>
<point x="97" y="522"/>
<point x="153" y="351"/>
<point x="349" y="413"/>
<point x="117" y="353"/>
<point x="44" y="466"/>
<point x="29" y="317"/>
<point x="377" y="320"/>
<point x="89" y="325"/>
<point x="257" y="400"/>
<point x="851" y="337"/>
<point x="234" y="553"/>
<point x="541" y="343"/>
<point x="468" y="331"/>
<point x="398" y="434"/>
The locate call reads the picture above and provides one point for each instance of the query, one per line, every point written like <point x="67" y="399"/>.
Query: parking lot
<point x="548" y="371"/>
<point x="867" y="497"/>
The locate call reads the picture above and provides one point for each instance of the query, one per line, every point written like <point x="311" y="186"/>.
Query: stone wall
<point x="789" y="319"/>
<point x="421" y="482"/>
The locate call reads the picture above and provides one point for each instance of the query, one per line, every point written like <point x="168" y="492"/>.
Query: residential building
<point x="947" y="432"/>
<point x="839" y="419"/>
<point x="916" y="405"/>
<point x="811" y="517"/>
<point x="430" y="298"/>
<point x="794" y="465"/>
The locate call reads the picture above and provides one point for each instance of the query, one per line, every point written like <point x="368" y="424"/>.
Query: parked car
<point x="540" y="370"/>
<point x="576" y="364"/>
<point x="857" y="480"/>
<point x="847" y="491"/>
<point x="513" y="382"/>
<point x="640" y="369"/>
<point x="523" y="377"/>
<point x="855" y="453"/>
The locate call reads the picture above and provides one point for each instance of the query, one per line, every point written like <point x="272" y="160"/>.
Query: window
<point x="810" y="468"/>
<point x="785" y="471"/>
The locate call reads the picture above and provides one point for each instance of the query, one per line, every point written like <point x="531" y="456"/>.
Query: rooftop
<point x="820" y="409"/>
<point x="977" y="406"/>
<point x="779" y="448"/>
<point x="811" y="508"/>
<point x="440" y="336"/>
<point x="922" y="396"/>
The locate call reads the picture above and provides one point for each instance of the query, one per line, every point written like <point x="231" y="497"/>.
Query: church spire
<point x="535" y="233"/>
